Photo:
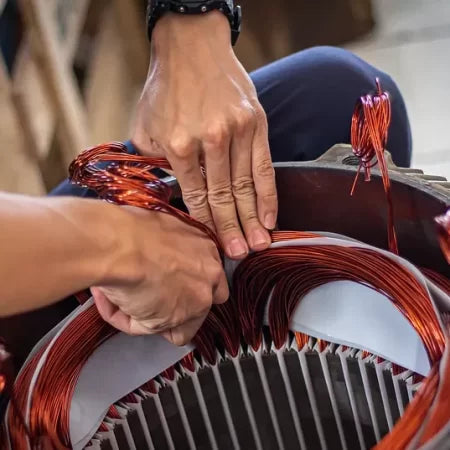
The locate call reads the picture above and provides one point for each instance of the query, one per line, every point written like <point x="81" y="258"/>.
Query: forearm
<point x="51" y="248"/>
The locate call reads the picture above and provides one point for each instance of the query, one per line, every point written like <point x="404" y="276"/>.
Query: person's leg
<point x="309" y="99"/>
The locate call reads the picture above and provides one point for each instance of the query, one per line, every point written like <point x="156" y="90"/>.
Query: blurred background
<point x="71" y="70"/>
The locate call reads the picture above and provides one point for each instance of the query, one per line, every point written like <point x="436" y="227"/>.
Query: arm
<point x="51" y="248"/>
<point x="199" y="107"/>
<point x="145" y="266"/>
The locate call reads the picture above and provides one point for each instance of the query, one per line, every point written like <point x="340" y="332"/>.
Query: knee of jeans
<point x="327" y="67"/>
<point x="334" y="78"/>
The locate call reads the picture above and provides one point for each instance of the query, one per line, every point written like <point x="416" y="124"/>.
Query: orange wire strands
<point x="281" y="275"/>
<point x="64" y="360"/>
<point x="369" y="133"/>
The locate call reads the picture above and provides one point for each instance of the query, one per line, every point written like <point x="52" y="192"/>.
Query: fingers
<point x="242" y="183"/>
<point x="264" y="174"/>
<point x="216" y="148"/>
<point x="184" y="159"/>
<point x="184" y="333"/>
<point x="111" y="314"/>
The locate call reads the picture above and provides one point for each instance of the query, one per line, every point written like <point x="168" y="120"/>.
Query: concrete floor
<point x="412" y="44"/>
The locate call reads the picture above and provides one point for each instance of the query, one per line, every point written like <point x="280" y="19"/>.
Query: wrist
<point x="95" y="229"/>
<point x="191" y="32"/>
<point x="118" y="249"/>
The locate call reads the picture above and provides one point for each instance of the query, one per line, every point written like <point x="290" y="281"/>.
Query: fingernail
<point x="259" y="239"/>
<point x="237" y="248"/>
<point x="270" y="221"/>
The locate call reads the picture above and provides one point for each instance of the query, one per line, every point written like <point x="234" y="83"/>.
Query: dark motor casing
<point x="315" y="196"/>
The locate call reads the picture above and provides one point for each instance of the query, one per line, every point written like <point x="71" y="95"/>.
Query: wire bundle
<point x="369" y="133"/>
<point x="45" y="387"/>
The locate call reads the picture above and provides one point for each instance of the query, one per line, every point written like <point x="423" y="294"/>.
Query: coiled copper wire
<point x="50" y="413"/>
<point x="128" y="180"/>
<point x="290" y="272"/>
<point x="438" y="279"/>
<point x="16" y="421"/>
<point x="369" y="132"/>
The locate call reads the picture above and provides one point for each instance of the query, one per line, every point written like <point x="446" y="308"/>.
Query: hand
<point x="199" y="107"/>
<point x="171" y="276"/>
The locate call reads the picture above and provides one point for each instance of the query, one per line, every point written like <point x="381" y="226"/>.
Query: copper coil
<point x="369" y="132"/>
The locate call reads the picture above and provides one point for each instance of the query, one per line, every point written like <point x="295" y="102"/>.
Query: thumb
<point x="109" y="312"/>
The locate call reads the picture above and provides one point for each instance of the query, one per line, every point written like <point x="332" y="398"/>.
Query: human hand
<point x="170" y="275"/>
<point x="200" y="108"/>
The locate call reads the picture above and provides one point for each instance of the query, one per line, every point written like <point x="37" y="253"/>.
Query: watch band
<point x="157" y="8"/>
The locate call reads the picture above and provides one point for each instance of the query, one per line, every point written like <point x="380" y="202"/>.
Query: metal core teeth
<point x="267" y="399"/>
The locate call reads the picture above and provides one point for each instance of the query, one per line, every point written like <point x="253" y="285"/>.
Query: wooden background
<point x="80" y="65"/>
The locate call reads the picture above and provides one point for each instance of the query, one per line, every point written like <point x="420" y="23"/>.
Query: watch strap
<point x="157" y="8"/>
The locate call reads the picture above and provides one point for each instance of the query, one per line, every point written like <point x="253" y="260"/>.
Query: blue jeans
<point x="309" y="99"/>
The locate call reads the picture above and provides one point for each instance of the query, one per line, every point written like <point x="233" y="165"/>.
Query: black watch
<point x="156" y="8"/>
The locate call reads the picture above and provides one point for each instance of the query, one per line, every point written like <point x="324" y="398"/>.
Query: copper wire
<point x="289" y="273"/>
<point x="440" y="280"/>
<point x="369" y="133"/>
<point x="286" y="273"/>
<point x="16" y="420"/>
<point x="128" y="180"/>
<point x="50" y="413"/>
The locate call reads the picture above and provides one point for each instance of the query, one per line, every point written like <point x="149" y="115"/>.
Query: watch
<point x="157" y="8"/>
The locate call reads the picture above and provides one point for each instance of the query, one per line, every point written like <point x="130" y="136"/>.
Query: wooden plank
<point x="56" y="66"/>
<point x="74" y="17"/>
<point x="18" y="171"/>
<point x="131" y="26"/>
<point x="110" y="88"/>
<point x="32" y="100"/>
<point x="30" y="92"/>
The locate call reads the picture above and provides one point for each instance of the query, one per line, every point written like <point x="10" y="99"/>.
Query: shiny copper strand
<point x="438" y="279"/>
<point x="17" y="428"/>
<point x="432" y="402"/>
<point x="291" y="272"/>
<point x="125" y="179"/>
<point x="439" y="415"/>
<point x="49" y="415"/>
<point x="369" y="131"/>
